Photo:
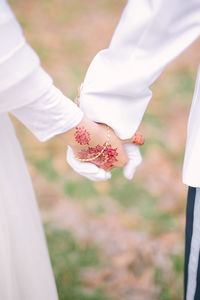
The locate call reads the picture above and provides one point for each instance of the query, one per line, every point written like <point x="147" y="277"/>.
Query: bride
<point x="28" y="92"/>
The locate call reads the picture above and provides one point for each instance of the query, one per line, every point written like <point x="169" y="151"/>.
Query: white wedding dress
<point x="26" y="272"/>
<point x="27" y="91"/>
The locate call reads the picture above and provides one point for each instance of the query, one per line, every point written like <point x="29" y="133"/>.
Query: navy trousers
<point x="192" y="246"/>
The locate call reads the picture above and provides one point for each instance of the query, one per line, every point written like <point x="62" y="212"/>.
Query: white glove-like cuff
<point x="94" y="173"/>
<point x="134" y="160"/>
<point x="85" y="169"/>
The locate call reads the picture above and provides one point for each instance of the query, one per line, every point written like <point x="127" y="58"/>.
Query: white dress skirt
<point x="27" y="91"/>
<point x="25" y="268"/>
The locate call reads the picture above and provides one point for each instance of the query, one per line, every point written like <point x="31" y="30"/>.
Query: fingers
<point x="92" y="172"/>
<point x="137" y="139"/>
<point x="85" y="169"/>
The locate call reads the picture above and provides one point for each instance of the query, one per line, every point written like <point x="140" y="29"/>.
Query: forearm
<point x="26" y="89"/>
<point x="149" y="36"/>
<point x="22" y="80"/>
<point x="49" y="115"/>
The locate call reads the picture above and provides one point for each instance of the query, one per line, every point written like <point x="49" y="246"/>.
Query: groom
<point x="149" y="36"/>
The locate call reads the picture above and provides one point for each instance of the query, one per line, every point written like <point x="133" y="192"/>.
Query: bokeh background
<point x="115" y="240"/>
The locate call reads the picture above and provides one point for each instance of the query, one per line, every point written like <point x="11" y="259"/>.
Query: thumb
<point x="137" y="139"/>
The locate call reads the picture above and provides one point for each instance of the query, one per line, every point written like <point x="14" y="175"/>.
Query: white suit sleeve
<point x="26" y="89"/>
<point x="150" y="34"/>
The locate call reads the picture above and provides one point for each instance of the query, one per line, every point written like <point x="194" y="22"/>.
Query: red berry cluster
<point x="82" y="136"/>
<point x="104" y="161"/>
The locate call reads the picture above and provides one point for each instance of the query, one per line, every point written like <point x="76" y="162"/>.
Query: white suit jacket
<point x="150" y="34"/>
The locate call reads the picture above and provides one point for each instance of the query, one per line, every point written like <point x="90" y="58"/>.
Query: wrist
<point x="81" y="134"/>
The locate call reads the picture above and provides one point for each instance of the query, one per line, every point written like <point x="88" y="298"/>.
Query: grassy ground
<point x="118" y="239"/>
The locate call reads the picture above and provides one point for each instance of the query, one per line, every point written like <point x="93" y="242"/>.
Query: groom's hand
<point x="94" y="150"/>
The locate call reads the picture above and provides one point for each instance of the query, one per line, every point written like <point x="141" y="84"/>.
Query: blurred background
<point x="115" y="240"/>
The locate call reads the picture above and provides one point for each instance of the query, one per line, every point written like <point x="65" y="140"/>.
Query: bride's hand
<point x="97" y="144"/>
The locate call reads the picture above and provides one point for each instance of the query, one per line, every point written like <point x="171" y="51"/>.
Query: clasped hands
<point x="94" y="149"/>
